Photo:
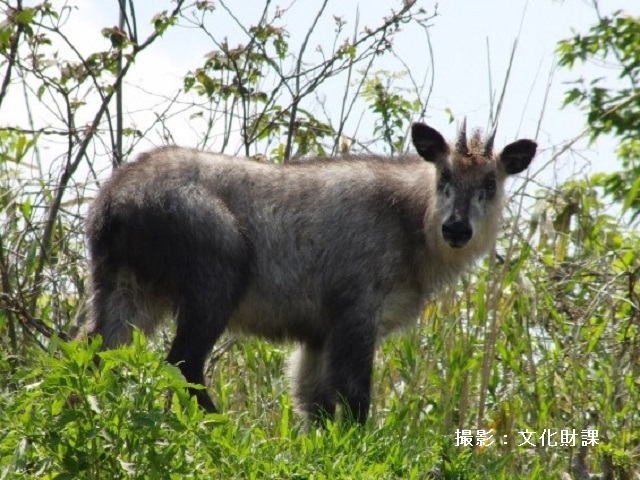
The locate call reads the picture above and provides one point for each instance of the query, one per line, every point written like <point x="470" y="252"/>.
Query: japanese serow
<point x="331" y="253"/>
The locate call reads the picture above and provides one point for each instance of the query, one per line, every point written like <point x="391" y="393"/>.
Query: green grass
<point x="129" y="417"/>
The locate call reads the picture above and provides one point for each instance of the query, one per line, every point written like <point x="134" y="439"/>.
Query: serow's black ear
<point x="428" y="142"/>
<point x="517" y="156"/>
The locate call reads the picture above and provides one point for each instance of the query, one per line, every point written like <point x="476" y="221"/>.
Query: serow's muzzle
<point x="456" y="233"/>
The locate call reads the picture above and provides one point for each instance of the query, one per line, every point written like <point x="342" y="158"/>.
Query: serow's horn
<point x="461" y="143"/>
<point x="488" y="145"/>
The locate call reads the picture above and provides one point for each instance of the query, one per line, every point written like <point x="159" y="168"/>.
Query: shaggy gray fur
<point x="332" y="253"/>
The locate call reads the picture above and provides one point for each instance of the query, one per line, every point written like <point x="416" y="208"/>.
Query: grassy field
<point x="130" y="418"/>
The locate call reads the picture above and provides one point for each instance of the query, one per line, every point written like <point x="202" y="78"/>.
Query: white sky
<point x="461" y="35"/>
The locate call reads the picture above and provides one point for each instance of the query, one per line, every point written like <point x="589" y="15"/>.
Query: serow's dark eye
<point x="445" y="188"/>
<point x="490" y="186"/>
<point x="444" y="182"/>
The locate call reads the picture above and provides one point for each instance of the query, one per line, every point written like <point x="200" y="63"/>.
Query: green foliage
<point x="67" y="417"/>
<point x="129" y="416"/>
<point x="611" y="108"/>
<point x="393" y="111"/>
<point x="162" y="21"/>
<point x="234" y="76"/>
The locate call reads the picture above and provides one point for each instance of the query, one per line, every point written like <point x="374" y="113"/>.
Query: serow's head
<point x="470" y="180"/>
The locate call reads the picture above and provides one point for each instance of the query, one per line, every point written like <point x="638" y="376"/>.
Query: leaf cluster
<point x="612" y="108"/>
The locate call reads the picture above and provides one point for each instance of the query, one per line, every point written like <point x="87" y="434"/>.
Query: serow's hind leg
<point x="209" y="275"/>
<point x="197" y="331"/>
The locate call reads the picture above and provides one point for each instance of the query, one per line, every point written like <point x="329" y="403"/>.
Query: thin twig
<point x="13" y="55"/>
<point x="297" y="97"/>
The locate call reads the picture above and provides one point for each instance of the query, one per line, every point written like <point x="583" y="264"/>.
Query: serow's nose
<point x="456" y="233"/>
